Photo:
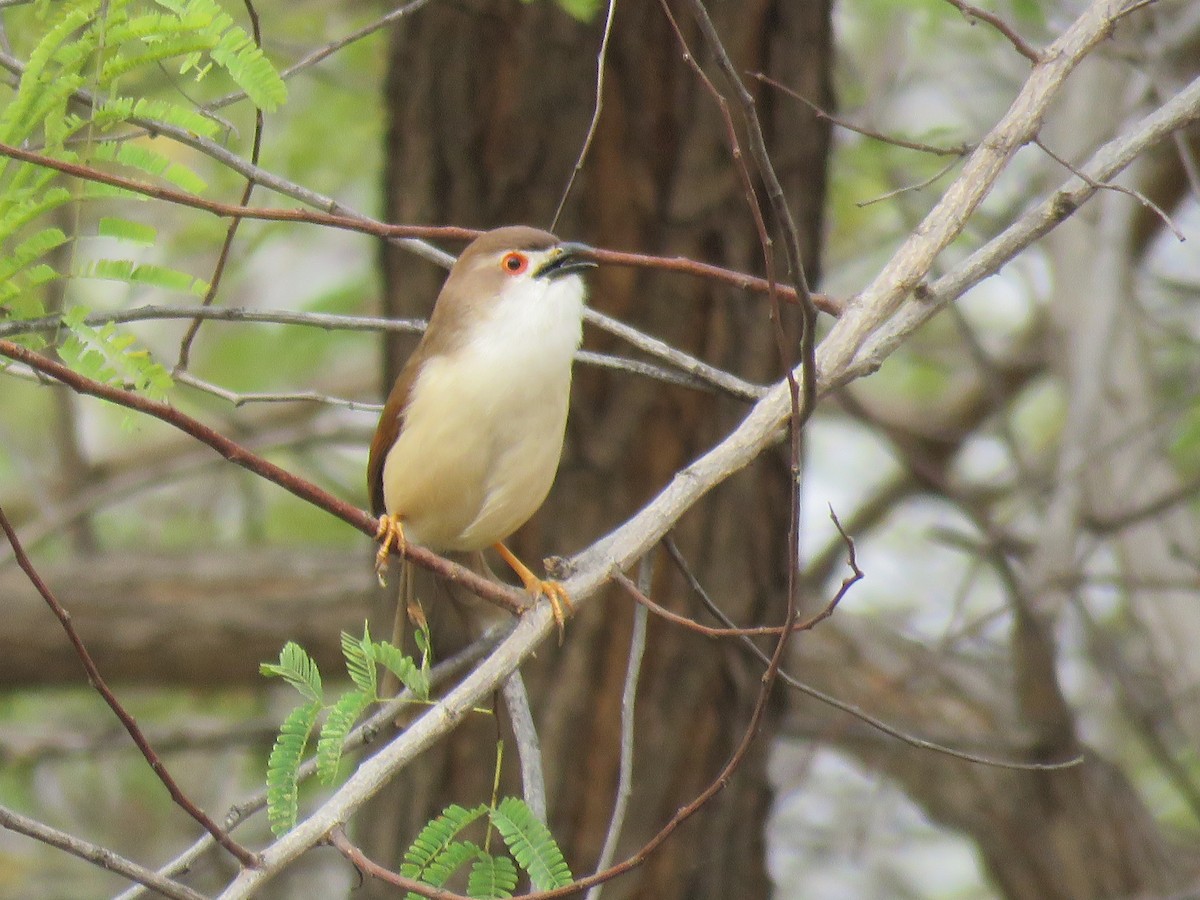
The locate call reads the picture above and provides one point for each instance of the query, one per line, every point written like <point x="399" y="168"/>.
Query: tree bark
<point x="489" y="102"/>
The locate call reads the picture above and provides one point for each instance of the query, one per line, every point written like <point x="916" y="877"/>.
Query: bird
<point x="470" y="438"/>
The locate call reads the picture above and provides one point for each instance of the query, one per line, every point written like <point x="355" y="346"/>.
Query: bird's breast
<point x="483" y="430"/>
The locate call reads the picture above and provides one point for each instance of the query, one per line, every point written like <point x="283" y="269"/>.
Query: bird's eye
<point x="515" y="263"/>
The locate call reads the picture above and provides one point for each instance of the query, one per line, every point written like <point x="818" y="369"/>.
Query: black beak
<point x="568" y="259"/>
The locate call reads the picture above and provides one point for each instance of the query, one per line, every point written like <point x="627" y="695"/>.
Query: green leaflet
<point x="531" y="844"/>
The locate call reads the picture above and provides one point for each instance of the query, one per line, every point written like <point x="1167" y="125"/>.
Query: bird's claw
<point x="389" y="534"/>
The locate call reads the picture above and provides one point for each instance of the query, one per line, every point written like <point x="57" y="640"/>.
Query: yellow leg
<point x="389" y="534"/>
<point x="560" y="601"/>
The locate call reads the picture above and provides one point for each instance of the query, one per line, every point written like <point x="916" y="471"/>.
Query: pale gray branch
<point x="95" y="854"/>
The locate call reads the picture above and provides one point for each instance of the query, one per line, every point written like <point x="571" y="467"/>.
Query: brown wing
<point x="441" y="337"/>
<point x="387" y="430"/>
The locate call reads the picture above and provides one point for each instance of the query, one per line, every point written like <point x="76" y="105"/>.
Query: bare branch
<point x="591" y="132"/>
<point x="95" y="854"/>
<point x="97" y="681"/>
<point x="633" y="668"/>
<point x="960" y="150"/>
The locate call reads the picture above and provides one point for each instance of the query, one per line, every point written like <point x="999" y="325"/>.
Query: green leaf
<point x="337" y="727"/>
<point x="234" y="51"/>
<point x="435" y="854"/>
<point x="531" y="844"/>
<point x="298" y="669"/>
<point x="39" y="244"/>
<point x="151" y="162"/>
<point x="360" y="661"/>
<point x="492" y="876"/>
<point x="404" y="668"/>
<point x="36" y="82"/>
<point x="106" y="354"/>
<point x="30" y="207"/>
<point x="126" y="230"/>
<point x="166" y="47"/>
<point x="150" y="274"/>
<point x="283" y="767"/>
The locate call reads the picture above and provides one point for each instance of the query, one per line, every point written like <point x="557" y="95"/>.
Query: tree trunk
<point x="489" y="102"/>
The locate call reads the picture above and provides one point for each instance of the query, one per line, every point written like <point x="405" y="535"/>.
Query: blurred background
<point x="1020" y="478"/>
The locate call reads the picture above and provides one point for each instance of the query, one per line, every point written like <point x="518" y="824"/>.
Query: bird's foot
<point x="560" y="601"/>
<point x="389" y="534"/>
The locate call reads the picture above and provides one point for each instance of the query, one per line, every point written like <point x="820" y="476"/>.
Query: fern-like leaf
<point x="393" y="659"/>
<point x="492" y="877"/>
<point x="531" y="844"/>
<point x="18" y="116"/>
<point x="179" y="116"/>
<point x="127" y="230"/>
<point x="151" y="274"/>
<point x="283" y="767"/>
<point x="38" y="244"/>
<point x="341" y="719"/>
<point x="360" y="662"/>
<point x="151" y="162"/>
<point x="448" y="860"/>
<point x="297" y="668"/>
<point x="106" y="354"/>
<point x="234" y="51"/>
<point x="436" y="853"/>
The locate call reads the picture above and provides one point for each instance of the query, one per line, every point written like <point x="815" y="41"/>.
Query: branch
<point x="97" y="681"/>
<point x="95" y="854"/>
<point x="958" y="150"/>
<point x="692" y="372"/>
<point x="1178" y="112"/>
<point x="409" y="236"/>
<point x="973" y="12"/>
<point x="633" y="668"/>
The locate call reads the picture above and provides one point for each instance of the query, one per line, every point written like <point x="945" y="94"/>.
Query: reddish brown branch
<point x="380" y="229"/>
<point x="1018" y="42"/>
<point x="509" y="598"/>
<point x="97" y="681"/>
<point x="368" y="866"/>
<point x="753" y="631"/>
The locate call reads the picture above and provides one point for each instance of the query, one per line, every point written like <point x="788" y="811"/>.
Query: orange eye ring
<point x="514" y="263"/>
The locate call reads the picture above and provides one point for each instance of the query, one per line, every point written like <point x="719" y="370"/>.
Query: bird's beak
<point x="566" y="259"/>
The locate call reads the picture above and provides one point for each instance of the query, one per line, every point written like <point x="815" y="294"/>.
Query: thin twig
<point x="236" y="399"/>
<point x="95" y="854"/>
<point x="327" y="50"/>
<point x="658" y="609"/>
<point x="692" y="372"/>
<point x="633" y="668"/>
<point x="368" y="866"/>
<point x="1110" y="186"/>
<point x="843" y="706"/>
<point x="1019" y="44"/>
<point x="97" y="681"/>
<point x="591" y="132"/>
<point x="958" y="150"/>
<point x="906" y="188"/>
